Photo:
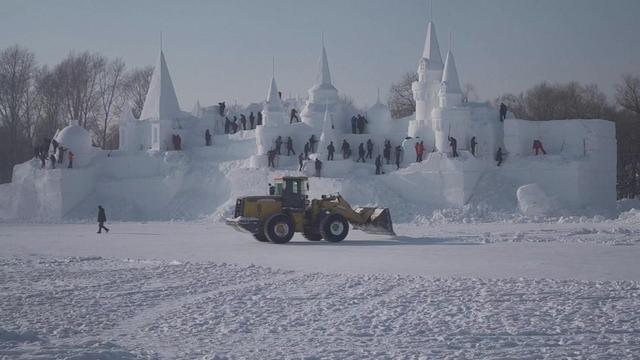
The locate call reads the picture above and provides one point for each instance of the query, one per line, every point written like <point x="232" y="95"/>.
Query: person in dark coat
<point x="179" y="142"/>
<point x="259" y="120"/>
<point x="419" y="151"/>
<point x="473" y="146"/>
<point x="503" y="111"/>
<point x="290" y="146"/>
<point x="378" y="164"/>
<point x="454" y="146"/>
<point x="52" y="158"/>
<point x="227" y="125"/>
<point x="361" y="152"/>
<point x="271" y="157"/>
<point x="234" y="124"/>
<point x="370" y="149"/>
<point x="361" y="121"/>
<point x="207" y="137"/>
<point x="252" y="120"/>
<point x="354" y="124"/>
<point x="243" y="121"/>
<point x="307" y="149"/>
<point x="387" y="151"/>
<point x="330" y="150"/>
<point x="537" y="146"/>
<point x="398" y="156"/>
<point x="71" y="157"/>
<point x="318" y="167"/>
<point x="499" y="156"/>
<point x="300" y="161"/>
<point x="293" y="115"/>
<point x="221" y="107"/>
<point x="102" y="218"/>
<point x="61" y="151"/>
<point x="346" y="149"/>
<point x="278" y="144"/>
<point x="312" y="143"/>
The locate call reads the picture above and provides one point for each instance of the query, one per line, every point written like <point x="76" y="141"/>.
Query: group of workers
<point x="41" y="152"/>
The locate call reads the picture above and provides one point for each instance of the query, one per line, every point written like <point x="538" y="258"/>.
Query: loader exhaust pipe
<point x="375" y="221"/>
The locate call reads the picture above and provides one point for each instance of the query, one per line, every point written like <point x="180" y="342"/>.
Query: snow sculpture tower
<point x="161" y="106"/>
<point x="379" y="118"/>
<point x="425" y="90"/>
<point x="273" y="121"/>
<point x="449" y="116"/>
<point x="322" y="94"/>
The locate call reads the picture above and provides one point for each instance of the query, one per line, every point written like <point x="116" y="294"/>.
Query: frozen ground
<point x="200" y="290"/>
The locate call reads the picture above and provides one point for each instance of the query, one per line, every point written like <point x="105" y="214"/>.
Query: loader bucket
<point x="377" y="221"/>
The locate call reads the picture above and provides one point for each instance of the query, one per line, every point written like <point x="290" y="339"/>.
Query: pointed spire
<point x="450" y="75"/>
<point x="324" y="75"/>
<point x="431" y="50"/>
<point x="161" y="101"/>
<point x="274" y="103"/>
<point x="197" y="109"/>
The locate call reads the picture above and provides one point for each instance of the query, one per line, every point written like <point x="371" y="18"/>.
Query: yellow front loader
<point x="277" y="217"/>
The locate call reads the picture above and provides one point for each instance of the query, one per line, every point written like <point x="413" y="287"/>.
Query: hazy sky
<point x="222" y="50"/>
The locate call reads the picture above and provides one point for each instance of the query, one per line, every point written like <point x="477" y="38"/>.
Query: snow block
<point x="533" y="201"/>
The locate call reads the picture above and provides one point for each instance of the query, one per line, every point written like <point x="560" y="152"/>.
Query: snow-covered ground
<point x="201" y="290"/>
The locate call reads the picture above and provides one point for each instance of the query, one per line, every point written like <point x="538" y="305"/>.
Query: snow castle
<point x="147" y="179"/>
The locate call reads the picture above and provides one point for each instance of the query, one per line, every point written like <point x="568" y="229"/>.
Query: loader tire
<point x="312" y="234"/>
<point x="260" y="236"/>
<point x="279" y="228"/>
<point x="334" y="228"/>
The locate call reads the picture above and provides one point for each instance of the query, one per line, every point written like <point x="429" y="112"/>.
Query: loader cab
<point x="293" y="190"/>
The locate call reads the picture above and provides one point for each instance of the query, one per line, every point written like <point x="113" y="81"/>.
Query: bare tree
<point x="137" y="86"/>
<point x="80" y="74"/>
<point x="628" y="93"/>
<point x="401" y="102"/>
<point x="469" y="92"/>
<point x="49" y="99"/>
<point x="110" y="85"/>
<point x="17" y="68"/>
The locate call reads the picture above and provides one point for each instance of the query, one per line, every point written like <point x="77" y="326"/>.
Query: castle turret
<point x="425" y="90"/>
<point x="450" y="93"/>
<point x="322" y="94"/>
<point x="272" y="110"/>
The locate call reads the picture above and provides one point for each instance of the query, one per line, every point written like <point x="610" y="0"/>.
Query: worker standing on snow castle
<point x="243" y="121"/>
<point x="271" y="157"/>
<point x="354" y="124"/>
<point x="330" y="150"/>
<point x="419" y="151"/>
<point x="53" y="161"/>
<point x="378" y="164"/>
<point x="278" y="144"/>
<point x="473" y="146"/>
<point x="252" y="120"/>
<point x="370" y="149"/>
<point x="290" y="146"/>
<point x="312" y="143"/>
<point x="207" y="137"/>
<point x="307" y="149"/>
<point x="398" y="156"/>
<point x="259" y="120"/>
<point x="387" y="151"/>
<point x="318" y="167"/>
<point x="294" y="115"/>
<point x="102" y="218"/>
<point x="537" y="146"/>
<point x="454" y="146"/>
<point x="346" y="149"/>
<point x="71" y="157"/>
<point x="301" y="161"/>
<point x="503" y="111"/>
<point x="227" y="125"/>
<point x="361" y="152"/>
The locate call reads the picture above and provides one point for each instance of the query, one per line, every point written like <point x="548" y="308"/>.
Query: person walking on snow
<point x="361" y="152"/>
<point x="378" y="165"/>
<point x="503" y="111"/>
<point x="473" y="146"/>
<point x="293" y="115"/>
<point x="290" y="146"/>
<point x="499" y="156"/>
<point x="387" y="151"/>
<point x="454" y="146"/>
<point x="102" y="218"/>
<point x="398" y="156"/>
<point x="370" y="149"/>
<point x="330" y="150"/>
<point x="207" y="137"/>
<point x="300" y="161"/>
<point x="419" y="151"/>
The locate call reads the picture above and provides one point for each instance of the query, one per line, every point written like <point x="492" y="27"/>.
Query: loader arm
<point x="368" y="219"/>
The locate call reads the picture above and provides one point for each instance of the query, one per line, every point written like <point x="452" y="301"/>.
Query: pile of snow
<point x="533" y="201"/>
